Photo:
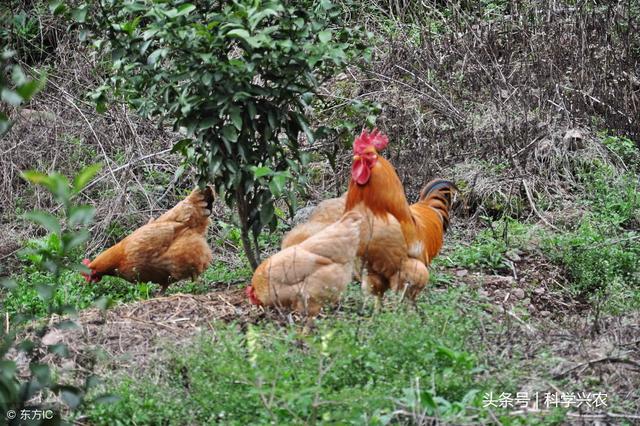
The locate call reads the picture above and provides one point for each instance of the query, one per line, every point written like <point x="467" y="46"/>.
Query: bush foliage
<point x="237" y="79"/>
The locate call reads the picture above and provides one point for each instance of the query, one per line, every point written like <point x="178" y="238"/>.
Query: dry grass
<point x="526" y="86"/>
<point x="131" y="335"/>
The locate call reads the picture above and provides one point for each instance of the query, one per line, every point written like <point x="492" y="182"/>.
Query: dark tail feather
<point x="439" y="195"/>
<point x="209" y="196"/>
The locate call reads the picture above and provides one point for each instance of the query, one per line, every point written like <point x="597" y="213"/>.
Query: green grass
<point x="351" y="370"/>
<point x="488" y="250"/>
<point x="602" y="255"/>
<point x="74" y="290"/>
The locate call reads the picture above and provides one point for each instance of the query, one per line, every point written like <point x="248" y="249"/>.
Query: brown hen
<point x="170" y="248"/>
<point x="306" y="276"/>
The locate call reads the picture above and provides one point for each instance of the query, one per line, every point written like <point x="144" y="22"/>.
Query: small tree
<point x="237" y="78"/>
<point x="53" y="253"/>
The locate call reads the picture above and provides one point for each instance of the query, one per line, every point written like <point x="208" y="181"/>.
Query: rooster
<point x="306" y="276"/>
<point x="375" y="183"/>
<point x="376" y="191"/>
<point x="165" y="250"/>
<point x="388" y="262"/>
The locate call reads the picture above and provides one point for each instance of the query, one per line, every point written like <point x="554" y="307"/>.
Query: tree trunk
<point x="243" y="215"/>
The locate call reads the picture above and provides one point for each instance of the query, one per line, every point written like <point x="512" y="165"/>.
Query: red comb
<point x="366" y="139"/>
<point x="86" y="262"/>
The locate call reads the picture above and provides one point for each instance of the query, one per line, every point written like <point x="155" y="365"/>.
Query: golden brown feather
<point x="165" y="250"/>
<point x="308" y="275"/>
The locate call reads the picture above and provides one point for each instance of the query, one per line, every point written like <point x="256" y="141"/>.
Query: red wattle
<point x="251" y="294"/>
<point x="360" y="172"/>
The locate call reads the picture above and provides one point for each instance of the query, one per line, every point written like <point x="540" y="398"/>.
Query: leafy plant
<point x="624" y="148"/>
<point x="490" y="247"/>
<point x="52" y="254"/>
<point x="602" y="255"/>
<point x="237" y="78"/>
<point x="350" y="371"/>
<point x="16" y="89"/>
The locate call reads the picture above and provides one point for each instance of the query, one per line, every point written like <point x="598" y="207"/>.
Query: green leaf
<point x="8" y="283"/>
<point x="256" y="18"/>
<point x="106" y="398"/>
<point x="271" y="118"/>
<point x="280" y="180"/>
<point x="26" y="345"/>
<point x="179" y="172"/>
<point x="266" y="213"/>
<point x="45" y="291"/>
<point x="324" y="36"/>
<point x="41" y="372"/>
<point x="230" y="133"/>
<point x="155" y="55"/>
<point x="245" y="36"/>
<point x="66" y="325"/>
<point x="71" y="395"/>
<point x="241" y="96"/>
<point x="27" y="90"/>
<point x="103" y="303"/>
<point x="446" y="352"/>
<point x="261" y="171"/>
<point x="29" y="389"/>
<point x="80" y="13"/>
<point x="85" y="175"/>
<point x="57" y="7"/>
<point x="36" y="177"/>
<point x="236" y="118"/>
<point x="81" y="215"/>
<point x="130" y="27"/>
<point x="304" y="125"/>
<point x="101" y="107"/>
<point x="92" y="381"/>
<point x="207" y="123"/>
<point x="252" y="110"/>
<point x="11" y="97"/>
<point x="18" y="76"/>
<point x="5" y="124"/>
<point x="326" y="4"/>
<point x="72" y="240"/>
<point x="136" y="6"/>
<point x="59" y="349"/>
<point x="273" y="187"/>
<point x="6" y="54"/>
<point x="7" y="368"/>
<point x="181" y="146"/>
<point x="185" y="9"/>
<point x="46" y="220"/>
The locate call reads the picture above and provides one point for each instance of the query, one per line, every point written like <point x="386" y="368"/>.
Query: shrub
<point x="51" y="254"/>
<point x="237" y="78"/>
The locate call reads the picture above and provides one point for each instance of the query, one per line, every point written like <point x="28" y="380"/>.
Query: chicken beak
<point x="356" y="157"/>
